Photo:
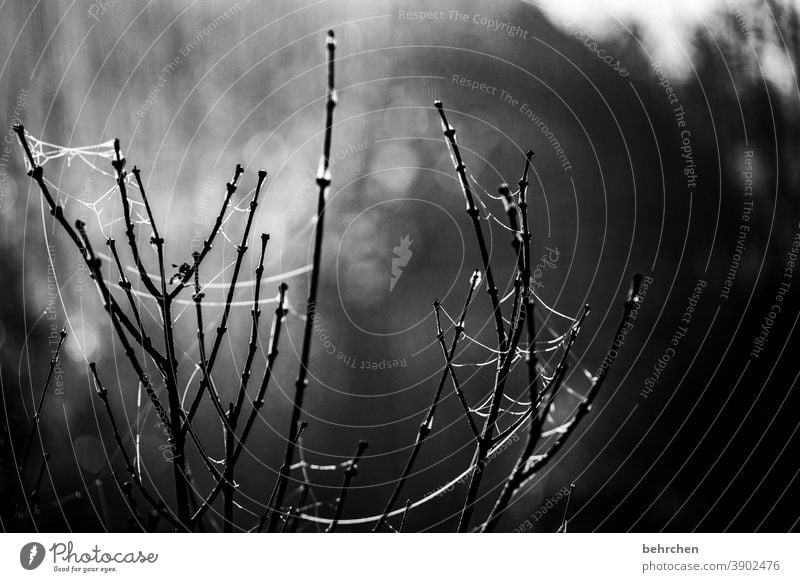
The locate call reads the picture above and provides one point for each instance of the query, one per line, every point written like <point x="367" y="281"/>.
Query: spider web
<point x="102" y="208"/>
<point x="94" y="157"/>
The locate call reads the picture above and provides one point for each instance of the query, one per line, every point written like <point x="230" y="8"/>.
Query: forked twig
<point x="507" y="344"/>
<point x="485" y="441"/>
<point x="230" y="189"/>
<point x="427" y="425"/>
<point x="36" y="172"/>
<point x="258" y="403"/>
<point x="449" y="367"/>
<point x="205" y="382"/>
<point x="179" y="466"/>
<point x="130" y="232"/>
<point x="474" y="213"/>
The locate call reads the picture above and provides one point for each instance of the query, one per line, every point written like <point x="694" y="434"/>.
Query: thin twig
<point x="540" y="406"/>
<point x="523" y="213"/>
<point x="222" y="327"/>
<point x="35" y="495"/>
<point x="273" y="508"/>
<point x="531" y="360"/>
<point x="289" y="514"/>
<point x="291" y="521"/>
<point x="38" y="415"/>
<point x="258" y="403"/>
<point x="323" y="182"/>
<point x="130" y="232"/>
<point x="170" y="373"/>
<point x="427" y="425"/>
<point x="234" y="410"/>
<point x="126" y="286"/>
<point x="513" y="221"/>
<point x="228" y="487"/>
<point x="520" y="282"/>
<point x="102" y="392"/>
<point x="170" y="370"/>
<point x="178" y="460"/>
<point x="486" y="439"/>
<point x="134" y="518"/>
<point x="474" y="213"/>
<point x="255" y="314"/>
<point x="197" y="297"/>
<point x="350" y="472"/>
<point x="230" y="189"/>
<point x="506" y="345"/>
<point x="405" y="515"/>
<point x="563" y="527"/>
<point x="449" y="366"/>
<point x="559" y="375"/>
<point x="524" y="265"/>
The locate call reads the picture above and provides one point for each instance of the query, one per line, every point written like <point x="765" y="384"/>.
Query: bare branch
<point x="474" y="213"/>
<point x="126" y="286"/>
<point x="487" y="434"/>
<point x="102" y="392"/>
<point x="130" y="232"/>
<point x="323" y="182"/>
<point x="230" y="189"/>
<point x="38" y="414"/>
<point x="222" y="328"/>
<point x="255" y="314"/>
<point x="273" y="508"/>
<point x="111" y="306"/>
<point x="427" y="424"/>
<point x="258" y="403"/>
<point x="175" y="439"/>
<point x="527" y="465"/>
<point x="350" y="472"/>
<point x="449" y="366"/>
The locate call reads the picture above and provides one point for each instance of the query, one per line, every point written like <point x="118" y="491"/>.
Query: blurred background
<point x="666" y="139"/>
